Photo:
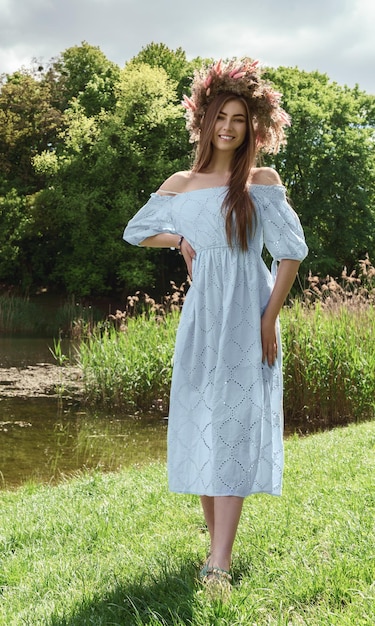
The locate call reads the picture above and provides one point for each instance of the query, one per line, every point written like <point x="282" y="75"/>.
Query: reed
<point x="130" y="369"/>
<point x="19" y="315"/>
<point x="75" y="320"/>
<point x="328" y="340"/>
<point x="328" y="345"/>
<point x="329" y="365"/>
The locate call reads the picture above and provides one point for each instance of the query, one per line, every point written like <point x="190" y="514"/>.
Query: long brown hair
<point x="237" y="206"/>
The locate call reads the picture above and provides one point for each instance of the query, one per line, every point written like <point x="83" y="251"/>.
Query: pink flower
<point x="188" y="103"/>
<point x="235" y="71"/>
<point x="273" y="97"/>
<point x="239" y="75"/>
<point x="217" y="68"/>
<point x="208" y="81"/>
<point x="253" y="66"/>
<point x="284" y="118"/>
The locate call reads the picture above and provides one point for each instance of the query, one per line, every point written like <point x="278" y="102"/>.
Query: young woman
<point x="225" y="422"/>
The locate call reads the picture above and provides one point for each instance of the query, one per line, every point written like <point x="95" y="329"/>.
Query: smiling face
<point x="231" y="126"/>
<point x="226" y="131"/>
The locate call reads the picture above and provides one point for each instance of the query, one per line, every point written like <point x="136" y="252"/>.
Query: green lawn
<point x="119" y="549"/>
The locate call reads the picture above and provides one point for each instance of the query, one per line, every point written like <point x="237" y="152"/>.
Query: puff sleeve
<point x="153" y="218"/>
<point x="282" y="231"/>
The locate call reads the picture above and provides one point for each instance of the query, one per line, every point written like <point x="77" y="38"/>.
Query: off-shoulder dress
<point x="225" y="427"/>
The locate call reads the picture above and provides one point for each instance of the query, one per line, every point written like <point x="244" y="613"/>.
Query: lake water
<point x="45" y="439"/>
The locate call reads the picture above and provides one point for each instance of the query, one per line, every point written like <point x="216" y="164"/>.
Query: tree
<point x="29" y="124"/>
<point x="14" y="222"/>
<point x="180" y="71"/>
<point x="328" y="166"/>
<point x="83" y="143"/>
<point x="109" y="165"/>
<point x="85" y="73"/>
<point x="174" y="62"/>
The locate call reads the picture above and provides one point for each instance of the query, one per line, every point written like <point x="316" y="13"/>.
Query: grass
<point x="19" y="315"/>
<point x="133" y="368"/>
<point x="329" y="362"/>
<point x="119" y="549"/>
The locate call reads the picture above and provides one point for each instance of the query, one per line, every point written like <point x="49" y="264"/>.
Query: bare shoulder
<point x="265" y="176"/>
<point x="177" y="183"/>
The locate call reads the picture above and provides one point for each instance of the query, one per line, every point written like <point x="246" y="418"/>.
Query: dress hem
<point x="236" y="495"/>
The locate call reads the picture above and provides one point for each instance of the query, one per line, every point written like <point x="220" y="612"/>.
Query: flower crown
<point x="242" y="77"/>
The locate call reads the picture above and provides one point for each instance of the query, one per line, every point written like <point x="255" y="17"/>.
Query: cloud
<point x="332" y="36"/>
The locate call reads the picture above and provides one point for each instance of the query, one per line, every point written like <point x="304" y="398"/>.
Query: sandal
<point x="218" y="584"/>
<point x="215" y="574"/>
<point x="205" y="569"/>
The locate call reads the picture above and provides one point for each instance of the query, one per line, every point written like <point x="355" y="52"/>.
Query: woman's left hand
<point x="269" y="342"/>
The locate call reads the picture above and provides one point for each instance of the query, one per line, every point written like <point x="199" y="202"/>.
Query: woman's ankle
<point x="222" y="561"/>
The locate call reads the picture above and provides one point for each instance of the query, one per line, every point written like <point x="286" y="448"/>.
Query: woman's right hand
<point x="189" y="254"/>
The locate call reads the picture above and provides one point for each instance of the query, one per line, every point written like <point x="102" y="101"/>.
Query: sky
<point x="335" y="37"/>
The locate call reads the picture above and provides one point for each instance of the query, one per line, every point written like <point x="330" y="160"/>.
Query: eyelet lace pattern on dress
<point x="225" y="421"/>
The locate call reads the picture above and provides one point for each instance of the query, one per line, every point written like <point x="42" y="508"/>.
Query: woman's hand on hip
<point x="189" y="254"/>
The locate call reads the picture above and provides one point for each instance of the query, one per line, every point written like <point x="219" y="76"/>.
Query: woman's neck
<point x="219" y="169"/>
<point x="221" y="163"/>
<point x="213" y="178"/>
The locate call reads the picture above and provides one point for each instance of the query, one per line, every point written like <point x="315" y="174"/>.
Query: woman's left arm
<point x="283" y="236"/>
<point x="285" y="277"/>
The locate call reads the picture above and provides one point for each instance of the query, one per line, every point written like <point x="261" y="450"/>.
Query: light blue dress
<point x="225" y="428"/>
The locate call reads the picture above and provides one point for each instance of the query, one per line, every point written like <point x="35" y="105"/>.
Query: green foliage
<point x="145" y="120"/>
<point x="13" y="226"/>
<point x="29" y="124"/>
<point x="81" y="132"/>
<point x="329" y="365"/>
<point x="83" y="143"/>
<point x="174" y="62"/>
<point x="46" y="163"/>
<point x="57" y="353"/>
<point x="130" y="369"/>
<point x="19" y="315"/>
<point x="86" y="74"/>
<point x="328" y="166"/>
<point x="109" y="165"/>
<point x="105" y="168"/>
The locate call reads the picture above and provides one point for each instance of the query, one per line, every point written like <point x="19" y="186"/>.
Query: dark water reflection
<point x="42" y="439"/>
<point x="18" y="351"/>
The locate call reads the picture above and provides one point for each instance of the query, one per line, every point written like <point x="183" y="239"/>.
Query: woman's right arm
<point x="173" y="185"/>
<point x="162" y="240"/>
<point x="167" y="240"/>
